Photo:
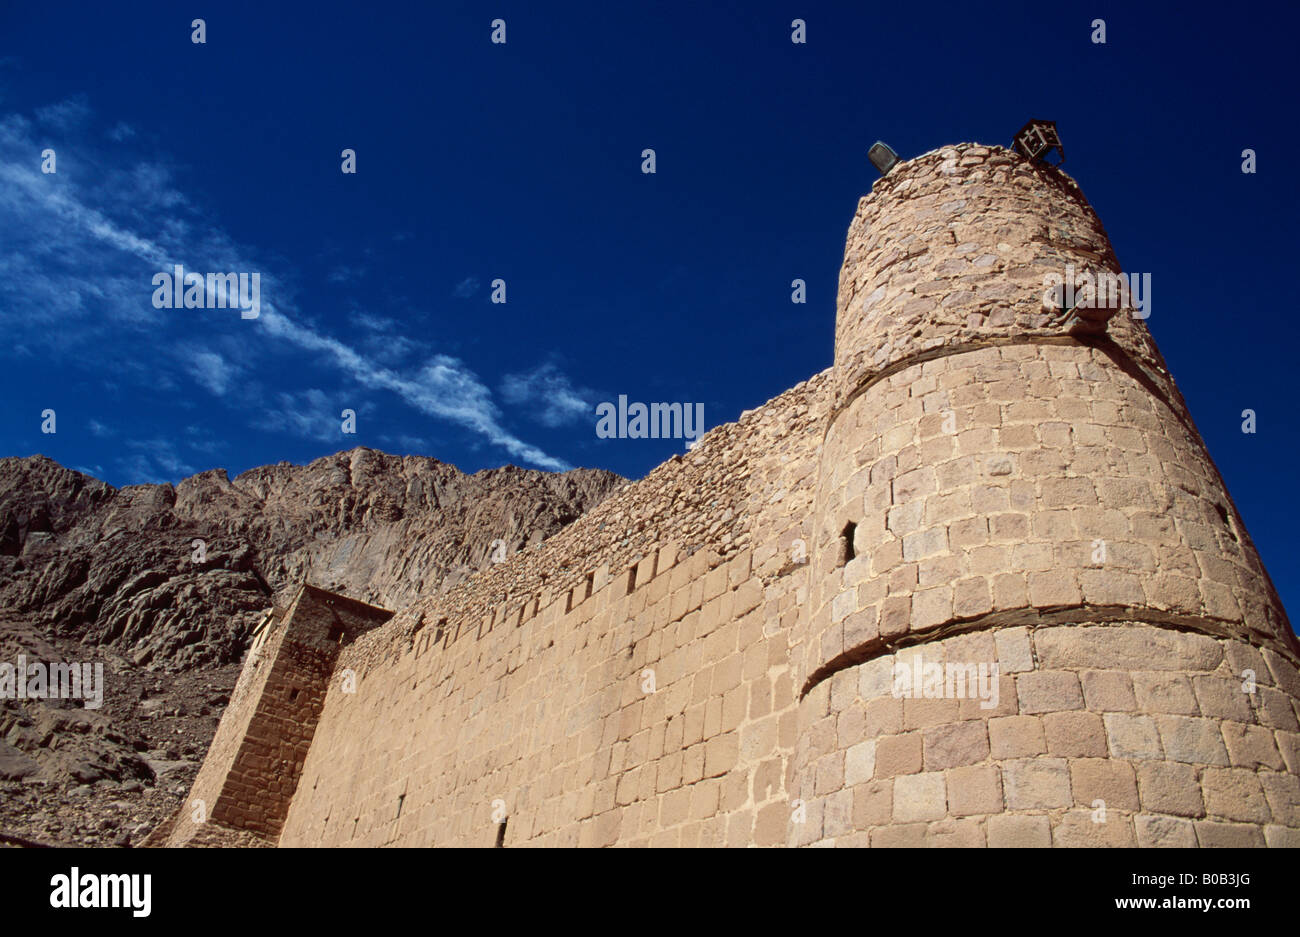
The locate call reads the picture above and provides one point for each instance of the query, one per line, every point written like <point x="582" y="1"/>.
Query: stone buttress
<point x="249" y="776"/>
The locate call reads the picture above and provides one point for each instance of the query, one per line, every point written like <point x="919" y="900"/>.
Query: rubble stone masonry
<point x="708" y="657"/>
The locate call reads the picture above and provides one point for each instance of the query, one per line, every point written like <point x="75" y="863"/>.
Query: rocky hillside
<point x="89" y="572"/>
<point x="121" y="568"/>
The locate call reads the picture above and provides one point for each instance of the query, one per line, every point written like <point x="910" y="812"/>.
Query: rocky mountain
<point x="178" y="576"/>
<point x="163" y="584"/>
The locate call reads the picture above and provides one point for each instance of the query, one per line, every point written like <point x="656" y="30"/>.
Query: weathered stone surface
<point x="1120" y="648"/>
<point x="956" y="744"/>
<point x="1170" y="788"/>
<point x="1036" y="783"/>
<point x="919" y="797"/>
<point x="1024" y="521"/>
<point x="1190" y="740"/>
<point x="1019" y="831"/>
<point x="382" y="528"/>
<point x="1164" y="832"/>
<point x="976" y="789"/>
<point x="1112" y="782"/>
<point x="1048" y="692"/>
<point x="1083" y="828"/>
<point x="1132" y="736"/>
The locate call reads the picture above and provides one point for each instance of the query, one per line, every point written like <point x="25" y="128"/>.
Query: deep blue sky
<point x="522" y="161"/>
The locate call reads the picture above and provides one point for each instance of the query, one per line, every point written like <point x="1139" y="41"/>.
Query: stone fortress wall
<point x="707" y="658"/>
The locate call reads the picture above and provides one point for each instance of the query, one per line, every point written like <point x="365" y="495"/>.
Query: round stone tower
<point x="1035" y="616"/>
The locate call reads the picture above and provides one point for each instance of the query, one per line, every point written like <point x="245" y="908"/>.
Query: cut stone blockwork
<point x="247" y="781"/>
<point x="978" y="584"/>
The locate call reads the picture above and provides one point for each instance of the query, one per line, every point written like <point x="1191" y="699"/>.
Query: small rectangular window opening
<point x="847" y="552"/>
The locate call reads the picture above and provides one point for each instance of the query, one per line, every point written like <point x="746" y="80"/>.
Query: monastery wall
<point x="546" y="705"/>
<point x="985" y="483"/>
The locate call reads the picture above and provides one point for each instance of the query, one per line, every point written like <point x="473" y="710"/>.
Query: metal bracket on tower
<point x="1038" y="138"/>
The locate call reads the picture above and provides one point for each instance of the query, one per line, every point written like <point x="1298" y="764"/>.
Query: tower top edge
<point x="954" y="159"/>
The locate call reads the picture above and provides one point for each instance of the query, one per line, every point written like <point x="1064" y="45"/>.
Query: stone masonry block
<point x="1012" y="831"/>
<point x="1251" y="746"/>
<point x="1084" y="828"/>
<point x="1170" y="788"/>
<point x="1234" y="794"/>
<point x="1075" y="734"/>
<point x="1164" y="832"/>
<point x="898" y="754"/>
<point x="1165" y="692"/>
<point x="1108" y="691"/>
<point x="1036" y="783"/>
<point x="919" y="797"/>
<point x="974" y="789"/>
<point x="955" y="744"/>
<point x="1113" y="782"/>
<point x="1051" y="691"/>
<point x="1132" y="736"/>
<point x="1015" y="653"/>
<point x="1126" y="647"/>
<point x="860" y="763"/>
<point x="1016" y="736"/>
<point x="1192" y="740"/>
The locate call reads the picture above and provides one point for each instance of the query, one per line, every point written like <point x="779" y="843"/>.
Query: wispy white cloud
<point x="387" y="341"/>
<point x="444" y="387"/>
<point x="65" y="115"/>
<point x="198" y="440"/>
<point x="213" y="371"/>
<point x="345" y="274"/>
<point x="374" y="323"/>
<point x="77" y="273"/>
<point x="309" y="414"/>
<point x="404" y="444"/>
<point x="155" y="461"/>
<point x="466" y="288"/>
<point x="392" y="349"/>
<point x="550" y="395"/>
